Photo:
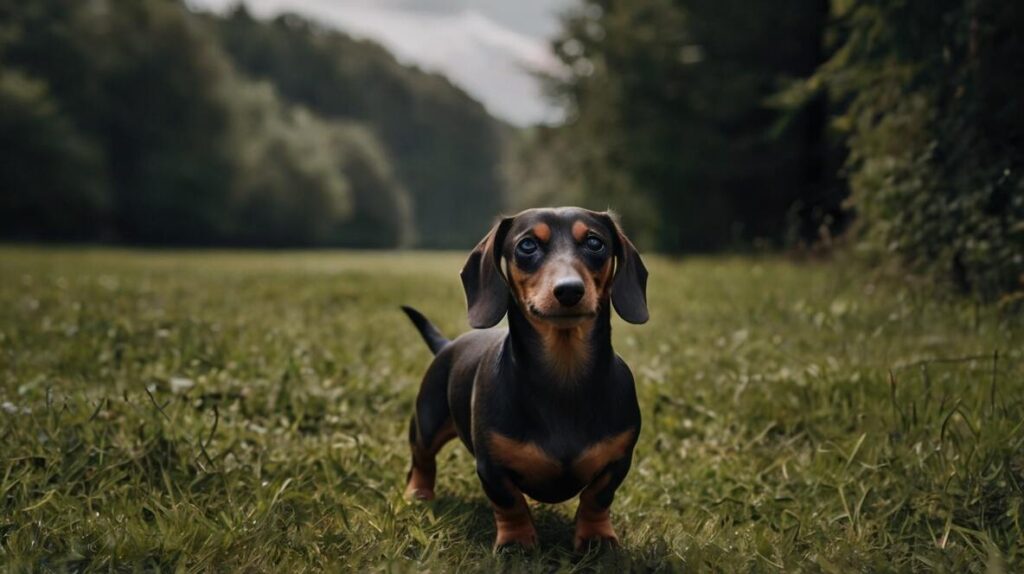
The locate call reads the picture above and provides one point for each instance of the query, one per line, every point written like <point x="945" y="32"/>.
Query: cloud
<point x="491" y="61"/>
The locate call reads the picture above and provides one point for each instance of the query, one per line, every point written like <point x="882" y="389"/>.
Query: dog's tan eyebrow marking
<point x="579" y="230"/>
<point x="542" y="231"/>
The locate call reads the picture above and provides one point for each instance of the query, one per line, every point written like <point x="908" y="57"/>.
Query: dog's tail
<point x="435" y="340"/>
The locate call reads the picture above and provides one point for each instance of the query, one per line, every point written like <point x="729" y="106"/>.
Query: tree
<point x="669" y="115"/>
<point x="51" y="175"/>
<point x="303" y="180"/>
<point x="141" y="86"/>
<point x="445" y="149"/>
<point x="935" y="128"/>
<point x="124" y="120"/>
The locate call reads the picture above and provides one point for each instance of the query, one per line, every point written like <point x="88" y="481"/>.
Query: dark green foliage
<point x="936" y="135"/>
<point x="274" y="206"/>
<point x="309" y="181"/>
<point x="164" y="122"/>
<point x="126" y="120"/>
<point x="670" y="124"/>
<point x="445" y="147"/>
<point x="383" y="208"/>
<point x="41" y="150"/>
<point x="143" y="86"/>
<point x="682" y="118"/>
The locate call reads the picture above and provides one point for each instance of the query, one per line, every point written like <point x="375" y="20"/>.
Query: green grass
<point x="247" y="411"/>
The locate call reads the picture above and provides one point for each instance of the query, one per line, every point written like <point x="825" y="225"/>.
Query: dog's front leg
<point x="511" y="514"/>
<point x="593" y="516"/>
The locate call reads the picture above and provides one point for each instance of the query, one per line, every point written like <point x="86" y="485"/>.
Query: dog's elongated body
<point x="546" y="406"/>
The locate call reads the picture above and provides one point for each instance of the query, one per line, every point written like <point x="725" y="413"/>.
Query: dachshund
<point x="546" y="407"/>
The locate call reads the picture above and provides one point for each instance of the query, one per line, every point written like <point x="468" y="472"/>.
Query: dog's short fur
<point x="546" y="407"/>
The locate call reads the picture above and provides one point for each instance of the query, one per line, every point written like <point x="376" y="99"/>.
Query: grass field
<point x="247" y="411"/>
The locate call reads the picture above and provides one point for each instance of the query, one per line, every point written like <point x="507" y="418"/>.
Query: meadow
<point x="246" y="411"/>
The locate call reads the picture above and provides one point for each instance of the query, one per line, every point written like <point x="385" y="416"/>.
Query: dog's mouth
<point x="568" y="317"/>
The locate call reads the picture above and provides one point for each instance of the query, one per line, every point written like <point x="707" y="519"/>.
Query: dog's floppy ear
<point x="486" y="290"/>
<point x="629" y="288"/>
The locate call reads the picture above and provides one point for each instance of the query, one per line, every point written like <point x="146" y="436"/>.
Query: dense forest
<point x="444" y="146"/>
<point x="722" y="124"/>
<point x="136" y="121"/>
<point x="708" y="125"/>
<point x="668" y="105"/>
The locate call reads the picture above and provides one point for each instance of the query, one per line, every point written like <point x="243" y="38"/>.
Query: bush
<point x="303" y="180"/>
<point x="124" y="120"/>
<point x="443" y="147"/>
<point x="50" y="174"/>
<point x="936" y="130"/>
<point x="669" y="122"/>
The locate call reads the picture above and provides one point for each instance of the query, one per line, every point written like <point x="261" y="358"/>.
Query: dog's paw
<point x="420" y="486"/>
<point x="418" y="493"/>
<point x="515" y="533"/>
<point x="589" y="532"/>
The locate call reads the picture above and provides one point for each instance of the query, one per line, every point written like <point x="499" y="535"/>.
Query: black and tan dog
<point x="546" y="407"/>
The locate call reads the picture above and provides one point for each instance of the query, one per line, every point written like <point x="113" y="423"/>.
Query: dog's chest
<point x="553" y="457"/>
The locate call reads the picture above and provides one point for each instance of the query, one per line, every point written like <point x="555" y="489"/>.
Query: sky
<point x="488" y="47"/>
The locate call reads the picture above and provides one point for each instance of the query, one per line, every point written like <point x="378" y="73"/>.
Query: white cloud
<point x="491" y="61"/>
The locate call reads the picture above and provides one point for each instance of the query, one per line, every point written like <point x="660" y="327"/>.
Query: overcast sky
<point x="487" y="47"/>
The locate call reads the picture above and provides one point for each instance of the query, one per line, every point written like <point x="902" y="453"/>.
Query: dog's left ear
<point x="486" y="289"/>
<point x="629" y="287"/>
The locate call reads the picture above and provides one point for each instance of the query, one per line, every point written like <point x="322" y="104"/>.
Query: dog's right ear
<point x="629" y="288"/>
<point x="486" y="289"/>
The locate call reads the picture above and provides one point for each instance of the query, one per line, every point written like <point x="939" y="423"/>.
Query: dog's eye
<point x="594" y="243"/>
<point x="528" y="246"/>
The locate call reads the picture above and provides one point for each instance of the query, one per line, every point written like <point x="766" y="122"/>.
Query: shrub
<point x="935" y="127"/>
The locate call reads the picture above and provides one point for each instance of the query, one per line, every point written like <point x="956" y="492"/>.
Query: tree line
<point x="137" y="121"/>
<point x="707" y="124"/>
<point x="721" y="123"/>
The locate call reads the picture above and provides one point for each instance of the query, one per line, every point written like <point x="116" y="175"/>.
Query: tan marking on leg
<point x="423" y="474"/>
<point x="446" y="433"/>
<point x="514" y="525"/>
<point x="542" y="231"/>
<point x="593" y="523"/>
<point x="527" y="459"/>
<point x="579" y="231"/>
<point x="599" y="455"/>
<point x="421" y="483"/>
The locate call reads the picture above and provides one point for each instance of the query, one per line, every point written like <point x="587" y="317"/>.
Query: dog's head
<point x="562" y="265"/>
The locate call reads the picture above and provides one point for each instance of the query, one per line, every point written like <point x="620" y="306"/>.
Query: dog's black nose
<point x="569" y="291"/>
